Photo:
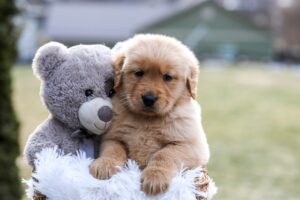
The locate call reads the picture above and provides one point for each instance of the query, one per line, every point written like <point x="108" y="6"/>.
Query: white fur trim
<point x="66" y="177"/>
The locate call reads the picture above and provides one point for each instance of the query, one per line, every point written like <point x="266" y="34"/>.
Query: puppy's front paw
<point x="155" y="180"/>
<point x="104" y="168"/>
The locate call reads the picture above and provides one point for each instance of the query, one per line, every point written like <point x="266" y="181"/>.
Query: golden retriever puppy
<point x="157" y="121"/>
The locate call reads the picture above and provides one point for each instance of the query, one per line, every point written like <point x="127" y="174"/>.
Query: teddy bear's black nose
<point x="105" y="113"/>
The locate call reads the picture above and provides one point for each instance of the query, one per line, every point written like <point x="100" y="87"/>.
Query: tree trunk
<point x="10" y="187"/>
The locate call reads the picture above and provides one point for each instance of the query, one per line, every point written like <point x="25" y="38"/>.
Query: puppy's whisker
<point x="124" y="101"/>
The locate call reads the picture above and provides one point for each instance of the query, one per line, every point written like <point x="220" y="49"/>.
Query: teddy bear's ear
<point x="48" y="58"/>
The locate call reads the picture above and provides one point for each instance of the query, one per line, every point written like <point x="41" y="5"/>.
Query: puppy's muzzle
<point x="149" y="99"/>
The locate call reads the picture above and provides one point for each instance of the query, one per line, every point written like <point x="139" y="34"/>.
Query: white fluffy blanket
<point x="66" y="177"/>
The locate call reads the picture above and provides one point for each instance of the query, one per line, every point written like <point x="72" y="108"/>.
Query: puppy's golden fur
<point x="166" y="137"/>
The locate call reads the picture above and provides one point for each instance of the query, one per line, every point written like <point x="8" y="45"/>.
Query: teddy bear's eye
<point x="88" y="92"/>
<point x="109" y="85"/>
<point x="111" y="93"/>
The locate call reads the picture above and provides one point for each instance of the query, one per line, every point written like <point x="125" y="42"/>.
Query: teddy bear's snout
<point x="95" y="115"/>
<point x="105" y="113"/>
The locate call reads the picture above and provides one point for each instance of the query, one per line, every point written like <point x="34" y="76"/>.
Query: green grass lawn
<point x="252" y="121"/>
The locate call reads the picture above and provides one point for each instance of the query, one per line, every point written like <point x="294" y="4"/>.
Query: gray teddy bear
<point x="76" y="87"/>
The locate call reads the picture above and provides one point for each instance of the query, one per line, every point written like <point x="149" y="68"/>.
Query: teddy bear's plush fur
<point x="75" y="86"/>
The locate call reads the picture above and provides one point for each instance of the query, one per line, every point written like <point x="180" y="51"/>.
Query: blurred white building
<point x="88" y="21"/>
<point x="109" y="21"/>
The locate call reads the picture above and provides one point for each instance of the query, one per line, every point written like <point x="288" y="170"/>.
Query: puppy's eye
<point x="111" y="93"/>
<point x="167" y="77"/>
<point x="139" y="73"/>
<point x="88" y="92"/>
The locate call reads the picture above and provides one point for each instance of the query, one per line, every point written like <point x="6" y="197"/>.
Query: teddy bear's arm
<point x="44" y="136"/>
<point x="35" y="143"/>
<point x="51" y="133"/>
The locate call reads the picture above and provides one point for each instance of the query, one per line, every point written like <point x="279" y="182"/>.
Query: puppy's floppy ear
<point x="118" y="58"/>
<point x="48" y="58"/>
<point x="192" y="81"/>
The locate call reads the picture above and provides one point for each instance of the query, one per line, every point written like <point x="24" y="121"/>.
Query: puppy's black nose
<point x="149" y="99"/>
<point x="105" y="113"/>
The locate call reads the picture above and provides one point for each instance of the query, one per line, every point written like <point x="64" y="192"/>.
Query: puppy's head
<point x="153" y="73"/>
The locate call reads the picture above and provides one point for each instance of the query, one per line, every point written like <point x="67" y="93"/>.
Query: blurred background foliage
<point x="249" y="84"/>
<point x="10" y="187"/>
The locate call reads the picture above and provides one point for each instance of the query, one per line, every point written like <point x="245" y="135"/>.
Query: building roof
<point x="211" y="31"/>
<point x="106" y="21"/>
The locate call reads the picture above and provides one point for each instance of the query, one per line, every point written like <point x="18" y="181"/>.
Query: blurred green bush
<point x="10" y="187"/>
